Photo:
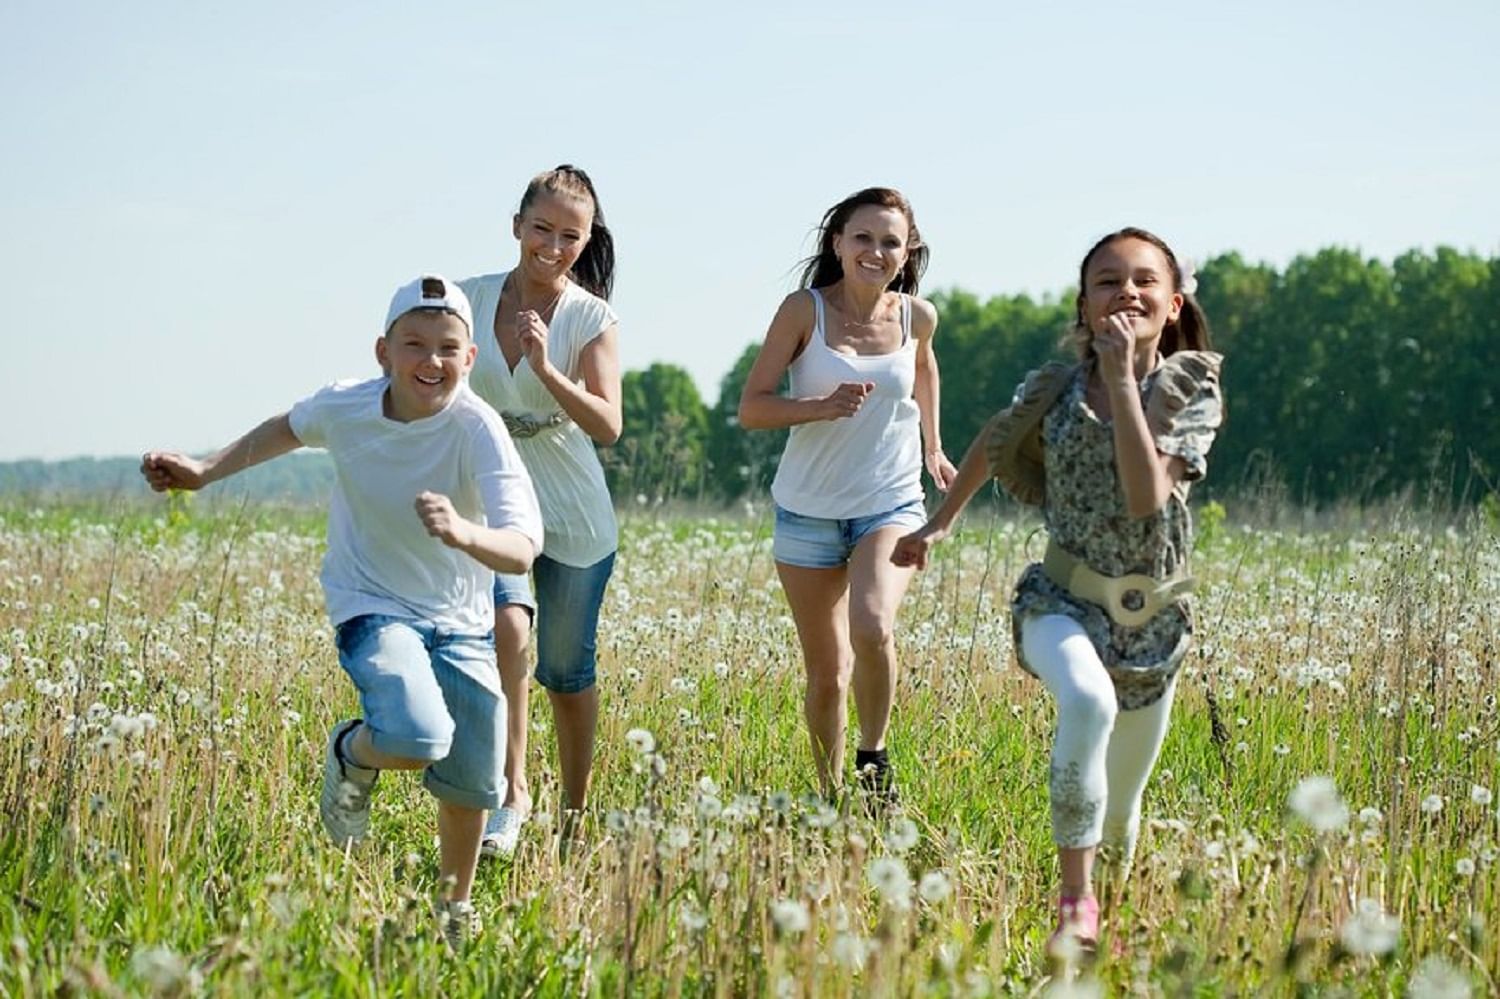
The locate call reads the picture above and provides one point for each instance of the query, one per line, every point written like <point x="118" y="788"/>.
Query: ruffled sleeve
<point x="1185" y="408"/>
<point x="1013" y="440"/>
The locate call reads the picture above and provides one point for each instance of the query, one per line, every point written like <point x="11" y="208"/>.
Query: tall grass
<point x="166" y="685"/>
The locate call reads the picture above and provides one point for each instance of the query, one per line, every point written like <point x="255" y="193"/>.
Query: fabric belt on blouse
<point x="521" y="425"/>
<point x="1130" y="600"/>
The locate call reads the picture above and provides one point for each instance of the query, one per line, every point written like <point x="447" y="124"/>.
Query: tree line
<point x="1345" y="378"/>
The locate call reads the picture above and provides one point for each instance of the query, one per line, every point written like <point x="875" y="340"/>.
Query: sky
<point x="204" y="208"/>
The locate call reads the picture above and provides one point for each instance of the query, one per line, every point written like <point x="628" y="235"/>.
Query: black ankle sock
<point x="341" y="751"/>
<point x="875" y="758"/>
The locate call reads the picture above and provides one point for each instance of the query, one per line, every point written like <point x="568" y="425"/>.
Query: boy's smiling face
<point x="426" y="354"/>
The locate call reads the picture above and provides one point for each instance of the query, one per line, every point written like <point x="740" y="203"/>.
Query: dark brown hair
<point x="823" y="268"/>
<point x="595" y="267"/>
<point x="1188" y="332"/>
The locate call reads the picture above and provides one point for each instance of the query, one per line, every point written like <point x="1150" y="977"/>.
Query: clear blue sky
<point x="204" y="207"/>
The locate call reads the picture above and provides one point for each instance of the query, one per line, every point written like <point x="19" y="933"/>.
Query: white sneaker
<point x="345" y="805"/>
<point x="502" y="833"/>
<point x="459" y="922"/>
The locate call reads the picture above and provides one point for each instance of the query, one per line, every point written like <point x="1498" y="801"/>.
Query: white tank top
<point x="859" y="465"/>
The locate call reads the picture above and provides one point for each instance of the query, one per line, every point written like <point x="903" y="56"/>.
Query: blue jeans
<point x="566" y="610"/>
<point x="431" y="694"/>
<point x="827" y="543"/>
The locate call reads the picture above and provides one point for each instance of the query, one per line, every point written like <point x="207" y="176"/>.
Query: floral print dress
<point x="1084" y="512"/>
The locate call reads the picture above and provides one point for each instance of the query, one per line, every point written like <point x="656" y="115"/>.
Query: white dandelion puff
<point x="934" y="887"/>
<point x="1480" y="795"/>
<point x="1435" y="978"/>
<point x="790" y="916"/>
<point x="890" y="878"/>
<point x="902" y="835"/>
<point x="1432" y="804"/>
<point x="641" y="740"/>
<point x="1370" y="930"/>
<point x="1316" y="801"/>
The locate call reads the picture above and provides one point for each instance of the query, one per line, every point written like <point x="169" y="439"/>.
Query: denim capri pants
<point x="566" y="611"/>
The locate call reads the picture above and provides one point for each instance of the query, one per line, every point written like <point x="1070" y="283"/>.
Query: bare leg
<point x="577" y="717"/>
<point x="459" y="829"/>
<point x="819" y="599"/>
<point x="359" y="750"/>
<point x="512" y="632"/>
<point x="875" y="591"/>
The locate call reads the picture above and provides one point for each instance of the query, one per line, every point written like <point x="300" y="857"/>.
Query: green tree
<point x="741" y="461"/>
<point x="662" y="448"/>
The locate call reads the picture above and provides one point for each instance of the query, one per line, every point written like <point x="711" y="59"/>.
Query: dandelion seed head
<point x="790" y="916"/>
<point x="1370" y="930"/>
<point x="889" y="877"/>
<point x="1315" y="800"/>
<point x="1464" y="867"/>
<point x="902" y="835"/>
<point x="1480" y="795"/>
<point x="641" y="740"/>
<point x="1435" y="978"/>
<point x="1432" y="804"/>
<point x="934" y="887"/>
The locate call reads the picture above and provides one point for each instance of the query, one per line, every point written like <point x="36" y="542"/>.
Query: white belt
<point x="1110" y="592"/>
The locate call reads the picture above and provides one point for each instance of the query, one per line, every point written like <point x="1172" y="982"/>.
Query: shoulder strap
<point x="817" y="297"/>
<point x="905" y="318"/>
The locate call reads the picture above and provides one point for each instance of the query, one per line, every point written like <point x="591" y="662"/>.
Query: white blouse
<point x="576" y="508"/>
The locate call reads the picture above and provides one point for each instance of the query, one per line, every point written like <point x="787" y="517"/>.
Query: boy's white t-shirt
<point x="381" y="560"/>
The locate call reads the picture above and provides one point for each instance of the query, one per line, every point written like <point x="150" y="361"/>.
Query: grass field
<point x="167" y="681"/>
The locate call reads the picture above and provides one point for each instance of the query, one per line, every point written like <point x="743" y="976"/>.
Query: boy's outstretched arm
<point x="498" y="548"/>
<point x="973" y="471"/>
<point x="173" y="470"/>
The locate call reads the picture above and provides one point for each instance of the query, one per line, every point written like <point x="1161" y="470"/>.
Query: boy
<point x="412" y="615"/>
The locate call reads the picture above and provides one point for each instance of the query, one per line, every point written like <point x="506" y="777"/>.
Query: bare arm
<point x="762" y="407"/>
<point x="497" y="548"/>
<point x="165" y="470"/>
<point x="1147" y="476"/>
<point x="595" y="405"/>
<point x="928" y="395"/>
<point x="972" y="473"/>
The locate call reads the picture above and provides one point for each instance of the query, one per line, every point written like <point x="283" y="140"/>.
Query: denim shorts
<point x="827" y="543"/>
<point x="566" y="611"/>
<point x="430" y="694"/>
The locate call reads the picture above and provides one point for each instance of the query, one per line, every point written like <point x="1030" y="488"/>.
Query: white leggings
<point x="1102" y="755"/>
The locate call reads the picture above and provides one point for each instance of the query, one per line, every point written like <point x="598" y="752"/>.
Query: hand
<point x="1114" y="343"/>
<point x="441" y="520"/>
<point x="941" y="469"/>
<point x="846" y="399"/>
<point x="913" y="549"/>
<point x="165" y="470"/>
<point x="531" y="333"/>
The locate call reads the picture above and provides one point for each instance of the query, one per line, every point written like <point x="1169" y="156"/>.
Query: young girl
<point x="864" y="399"/>
<point x="548" y="361"/>
<point x="1104" y="620"/>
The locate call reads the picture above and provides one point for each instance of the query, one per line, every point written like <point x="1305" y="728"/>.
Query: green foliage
<point x="662" y="451"/>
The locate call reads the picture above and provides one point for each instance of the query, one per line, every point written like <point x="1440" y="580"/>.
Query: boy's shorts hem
<point x="453" y="795"/>
<point x="828" y="542"/>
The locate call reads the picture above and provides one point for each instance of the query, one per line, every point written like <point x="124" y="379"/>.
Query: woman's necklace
<point x="543" y="312"/>
<point x="875" y="318"/>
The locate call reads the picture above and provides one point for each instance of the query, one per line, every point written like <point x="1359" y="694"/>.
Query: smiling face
<point x="1132" y="277"/>
<point x="426" y="354"/>
<point x="552" y="230"/>
<point x="872" y="247"/>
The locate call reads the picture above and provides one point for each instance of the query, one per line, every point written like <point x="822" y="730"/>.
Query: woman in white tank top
<point x="863" y="413"/>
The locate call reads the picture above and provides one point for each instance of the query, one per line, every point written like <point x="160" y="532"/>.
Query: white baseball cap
<point x="430" y="292"/>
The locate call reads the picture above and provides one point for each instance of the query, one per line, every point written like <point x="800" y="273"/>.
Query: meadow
<point x="1323" y="819"/>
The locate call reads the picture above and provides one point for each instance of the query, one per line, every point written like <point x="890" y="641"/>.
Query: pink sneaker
<point x="1077" y="926"/>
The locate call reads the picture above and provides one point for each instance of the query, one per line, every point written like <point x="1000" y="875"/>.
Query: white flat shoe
<point x="502" y="833"/>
